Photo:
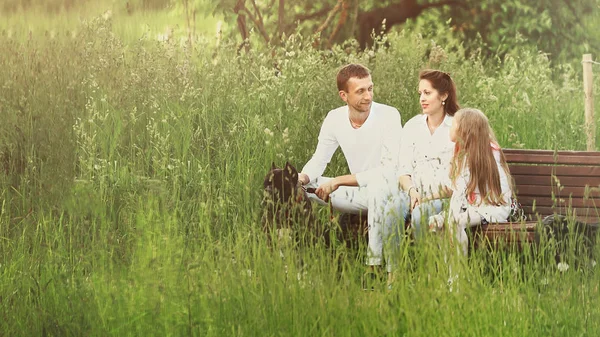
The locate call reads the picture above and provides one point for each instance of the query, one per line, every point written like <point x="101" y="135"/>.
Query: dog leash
<point x="310" y="190"/>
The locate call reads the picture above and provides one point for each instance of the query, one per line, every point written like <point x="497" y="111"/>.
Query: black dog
<point x="287" y="211"/>
<point x="577" y="238"/>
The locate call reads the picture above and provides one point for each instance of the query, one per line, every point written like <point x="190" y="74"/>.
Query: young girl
<point x="481" y="182"/>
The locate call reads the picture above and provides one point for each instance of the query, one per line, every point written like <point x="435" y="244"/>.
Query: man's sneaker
<point x="368" y="280"/>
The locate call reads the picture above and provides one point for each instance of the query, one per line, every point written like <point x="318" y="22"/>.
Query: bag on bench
<point x="516" y="211"/>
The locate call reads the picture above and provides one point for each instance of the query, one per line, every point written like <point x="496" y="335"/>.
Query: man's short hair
<point x="347" y="72"/>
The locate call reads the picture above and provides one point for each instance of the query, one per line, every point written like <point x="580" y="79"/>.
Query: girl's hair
<point x="442" y="82"/>
<point x="474" y="149"/>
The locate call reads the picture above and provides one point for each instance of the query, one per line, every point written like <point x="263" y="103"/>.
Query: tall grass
<point x="131" y="192"/>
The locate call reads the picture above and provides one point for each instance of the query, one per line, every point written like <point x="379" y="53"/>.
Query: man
<point x="369" y="134"/>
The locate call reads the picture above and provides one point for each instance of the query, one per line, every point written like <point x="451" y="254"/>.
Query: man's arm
<point x="325" y="149"/>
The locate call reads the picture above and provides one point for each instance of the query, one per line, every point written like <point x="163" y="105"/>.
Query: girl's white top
<point x="425" y="156"/>
<point x="367" y="149"/>
<point x="492" y="213"/>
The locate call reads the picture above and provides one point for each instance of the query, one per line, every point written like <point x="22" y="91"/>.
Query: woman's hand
<point x="415" y="197"/>
<point x="326" y="189"/>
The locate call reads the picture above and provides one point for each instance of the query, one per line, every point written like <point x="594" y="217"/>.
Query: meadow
<point x="131" y="188"/>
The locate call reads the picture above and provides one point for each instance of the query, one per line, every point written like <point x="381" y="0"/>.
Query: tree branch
<point x="395" y="14"/>
<point x="310" y="16"/>
<point x="241" y="7"/>
<point x="340" y="24"/>
<point x="280" y="23"/>
<point x="243" y="29"/>
<point x="570" y="5"/>
<point x="260" y="23"/>
<point x="330" y="16"/>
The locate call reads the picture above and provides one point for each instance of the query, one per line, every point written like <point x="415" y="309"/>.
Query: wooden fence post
<point x="588" y="89"/>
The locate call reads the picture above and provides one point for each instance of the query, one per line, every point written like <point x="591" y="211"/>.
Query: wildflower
<point x="107" y="15"/>
<point x="286" y="138"/>
<point x="563" y="267"/>
<point x="268" y="132"/>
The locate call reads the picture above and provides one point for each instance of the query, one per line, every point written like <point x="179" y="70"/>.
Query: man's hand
<point x="303" y="179"/>
<point x="326" y="189"/>
<point x="415" y="197"/>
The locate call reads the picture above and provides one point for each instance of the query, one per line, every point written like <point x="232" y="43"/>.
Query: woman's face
<point x="430" y="99"/>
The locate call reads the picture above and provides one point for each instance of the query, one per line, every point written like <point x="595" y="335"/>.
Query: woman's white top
<point x="426" y="157"/>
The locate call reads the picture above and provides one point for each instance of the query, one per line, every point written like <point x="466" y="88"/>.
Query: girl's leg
<point x="463" y="220"/>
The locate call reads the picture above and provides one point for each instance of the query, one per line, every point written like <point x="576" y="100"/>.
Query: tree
<point x="551" y="24"/>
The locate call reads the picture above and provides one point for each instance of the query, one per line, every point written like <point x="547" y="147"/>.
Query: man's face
<point x="359" y="94"/>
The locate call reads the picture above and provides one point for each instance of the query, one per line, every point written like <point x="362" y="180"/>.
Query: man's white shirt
<point x="368" y="149"/>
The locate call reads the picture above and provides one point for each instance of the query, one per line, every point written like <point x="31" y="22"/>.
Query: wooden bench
<point x="546" y="183"/>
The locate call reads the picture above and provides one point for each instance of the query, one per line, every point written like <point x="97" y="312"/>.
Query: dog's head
<point x="281" y="185"/>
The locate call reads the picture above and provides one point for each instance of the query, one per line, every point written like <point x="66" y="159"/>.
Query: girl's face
<point x="454" y="128"/>
<point x="430" y="99"/>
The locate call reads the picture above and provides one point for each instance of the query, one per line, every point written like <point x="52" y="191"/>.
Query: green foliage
<point x="131" y="186"/>
<point x="561" y="28"/>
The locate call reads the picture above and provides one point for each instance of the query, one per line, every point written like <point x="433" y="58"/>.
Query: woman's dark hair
<point x="442" y="82"/>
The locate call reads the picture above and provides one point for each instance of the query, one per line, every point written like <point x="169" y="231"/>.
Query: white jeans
<point x="371" y="199"/>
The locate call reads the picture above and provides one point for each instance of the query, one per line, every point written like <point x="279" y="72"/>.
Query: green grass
<point x="131" y="184"/>
<point x="129" y="26"/>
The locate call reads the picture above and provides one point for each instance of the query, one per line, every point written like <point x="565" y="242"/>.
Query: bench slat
<point x="560" y="202"/>
<point x="558" y="171"/>
<point x="552" y="157"/>
<point x="546" y="210"/>
<point x="508" y="152"/>
<point x="564" y="192"/>
<point x="550" y="181"/>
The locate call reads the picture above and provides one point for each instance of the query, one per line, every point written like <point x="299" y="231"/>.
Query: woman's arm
<point x="406" y="184"/>
<point x="444" y="192"/>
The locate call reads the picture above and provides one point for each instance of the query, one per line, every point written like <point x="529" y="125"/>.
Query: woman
<point x="425" y="154"/>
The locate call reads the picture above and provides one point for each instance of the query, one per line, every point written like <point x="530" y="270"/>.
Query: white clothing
<point x="465" y="211"/>
<point x="366" y="149"/>
<point x="424" y="156"/>
<point x="371" y="152"/>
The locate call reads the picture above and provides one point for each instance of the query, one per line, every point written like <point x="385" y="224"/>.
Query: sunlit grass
<point x="131" y="175"/>
<point x="138" y="24"/>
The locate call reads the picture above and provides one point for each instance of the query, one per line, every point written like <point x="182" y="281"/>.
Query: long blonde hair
<point x="474" y="149"/>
